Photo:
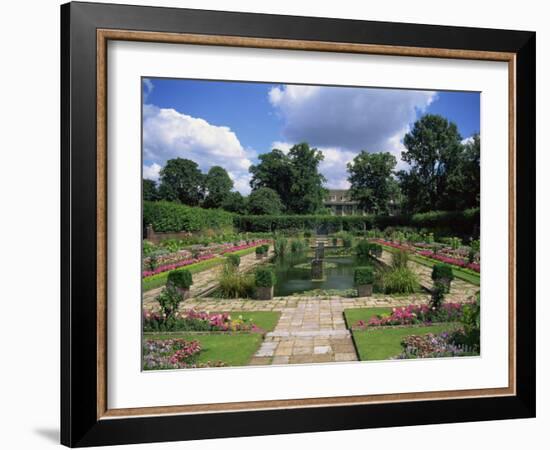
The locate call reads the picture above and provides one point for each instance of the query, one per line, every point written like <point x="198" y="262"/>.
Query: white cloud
<point x="283" y="146"/>
<point x="169" y="134"/>
<point x="151" y="172"/>
<point x="148" y="87"/>
<point x="467" y="140"/>
<point x="352" y="119"/>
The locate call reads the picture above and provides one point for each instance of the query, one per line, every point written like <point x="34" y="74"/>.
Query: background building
<point x="340" y="203"/>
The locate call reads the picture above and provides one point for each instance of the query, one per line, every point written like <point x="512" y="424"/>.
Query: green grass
<point x="159" y="280"/>
<point x="245" y="251"/>
<point x="354" y="315"/>
<point x="379" y="343"/>
<point x="266" y="320"/>
<point x="233" y="349"/>
<point x="464" y="274"/>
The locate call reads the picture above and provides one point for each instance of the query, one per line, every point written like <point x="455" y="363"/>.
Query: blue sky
<point x="231" y="123"/>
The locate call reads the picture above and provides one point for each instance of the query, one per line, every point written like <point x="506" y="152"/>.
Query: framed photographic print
<point x="277" y="224"/>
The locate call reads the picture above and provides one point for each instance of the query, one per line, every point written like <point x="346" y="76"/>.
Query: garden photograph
<point x="303" y="224"/>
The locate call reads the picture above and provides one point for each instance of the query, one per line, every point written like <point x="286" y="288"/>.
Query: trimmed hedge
<point x="440" y="271"/>
<point x="181" y="278"/>
<point x="466" y="222"/>
<point x="264" y="277"/>
<point x="234" y="260"/>
<point x="363" y="275"/>
<point x="174" y="217"/>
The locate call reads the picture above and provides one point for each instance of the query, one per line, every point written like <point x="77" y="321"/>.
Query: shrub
<point x="362" y="249"/>
<point x="169" y="300"/>
<point x="264" y="277"/>
<point x="363" y="275"/>
<point x="442" y="271"/>
<point x="376" y="250"/>
<point x="180" y="278"/>
<point x="233" y="260"/>
<point x="307" y="234"/>
<point x="148" y="248"/>
<point x="399" y="280"/>
<point x="261" y="250"/>
<point x="399" y="259"/>
<point x="438" y="295"/>
<point x="174" y="217"/>
<point x="280" y="246"/>
<point x="471" y="322"/>
<point x="347" y="241"/>
<point x="297" y="246"/>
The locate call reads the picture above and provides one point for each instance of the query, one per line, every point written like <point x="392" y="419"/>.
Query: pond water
<point x="338" y="273"/>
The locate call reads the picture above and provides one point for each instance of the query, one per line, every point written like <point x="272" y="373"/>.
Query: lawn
<point x="354" y="315"/>
<point x="233" y="349"/>
<point x="379" y="343"/>
<point x="266" y="320"/>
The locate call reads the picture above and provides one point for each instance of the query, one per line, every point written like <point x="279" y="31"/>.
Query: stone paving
<point x="311" y="329"/>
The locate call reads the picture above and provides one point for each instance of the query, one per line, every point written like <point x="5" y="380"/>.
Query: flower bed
<point x="182" y="258"/>
<point x="192" y="320"/>
<point x="174" y="354"/>
<point x="433" y="346"/>
<point x="415" y="314"/>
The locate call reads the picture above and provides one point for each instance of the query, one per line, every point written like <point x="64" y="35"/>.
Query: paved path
<point x="312" y="329"/>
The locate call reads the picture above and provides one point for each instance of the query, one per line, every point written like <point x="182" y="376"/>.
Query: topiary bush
<point x="181" y="278"/>
<point x="442" y="271"/>
<point x="234" y="260"/>
<point x="264" y="277"/>
<point x="363" y="275"/>
<point x="438" y="295"/>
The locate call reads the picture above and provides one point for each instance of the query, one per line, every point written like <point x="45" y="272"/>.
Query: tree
<point x="294" y="176"/>
<point x="372" y="182"/>
<point x="218" y="185"/>
<point x="307" y="192"/>
<point x="433" y="151"/>
<point x="149" y="190"/>
<point x="463" y="183"/>
<point x="273" y="171"/>
<point x="181" y="180"/>
<point x="264" y="201"/>
<point x="235" y="202"/>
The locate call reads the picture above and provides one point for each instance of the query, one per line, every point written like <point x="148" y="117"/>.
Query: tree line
<point x="443" y="174"/>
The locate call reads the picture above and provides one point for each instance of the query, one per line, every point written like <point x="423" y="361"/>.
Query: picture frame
<point x="86" y="28"/>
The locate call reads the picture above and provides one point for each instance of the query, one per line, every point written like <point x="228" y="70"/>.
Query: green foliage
<point x="234" y="202"/>
<point x="372" y="181"/>
<point x="180" y="278"/>
<point x="474" y="245"/>
<point x="399" y="259"/>
<point x="347" y="241"/>
<point x="264" y="201"/>
<point x="234" y="284"/>
<point x="364" y="249"/>
<point x="149" y="190"/>
<point x="442" y="271"/>
<point x="169" y="300"/>
<point x="148" y="248"/>
<point x="438" y="295"/>
<point x="294" y="176"/>
<point x="307" y="234"/>
<point x="233" y="259"/>
<point x="261" y="250"/>
<point x="297" y="246"/>
<point x="174" y="217"/>
<point x="398" y="280"/>
<point x="264" y="277"/>
<point x="280" y="246"/>
<point x="181" y="180"/>
<point x="471" y="323"/>
<point x="218" y="185"/>
<point x="363" y="275"/>
<point x="334" y="241"/>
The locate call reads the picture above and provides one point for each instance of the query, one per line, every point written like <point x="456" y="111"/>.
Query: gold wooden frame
<point x="104" y="35"/>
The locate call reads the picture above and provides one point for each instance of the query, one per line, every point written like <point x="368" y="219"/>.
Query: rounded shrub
<point x="363" y="275"/>
<point x="233" y="260"/>
<point x="442" y="271"/>
<point x="264" y="277"/>
<point x="181" y="278"/>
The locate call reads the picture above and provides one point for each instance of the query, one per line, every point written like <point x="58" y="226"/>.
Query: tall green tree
<point x="273" y="171"/>
<point x="433" y="152"/>
<point x="294" y="176"/>
<point x="217" y="185"/>
<point x="463" y="182"/>
<point x="307" y="192"/>
<point x="235" y="202"/>
<point x="372" y="182"/>
<point x="181" y="180"/>
<point x="264" y="201"/>
<point x="149" y="190"/>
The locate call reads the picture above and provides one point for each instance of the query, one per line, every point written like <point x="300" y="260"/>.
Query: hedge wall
<point x="459" y="222"/>
<point x="174" y="217"/>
